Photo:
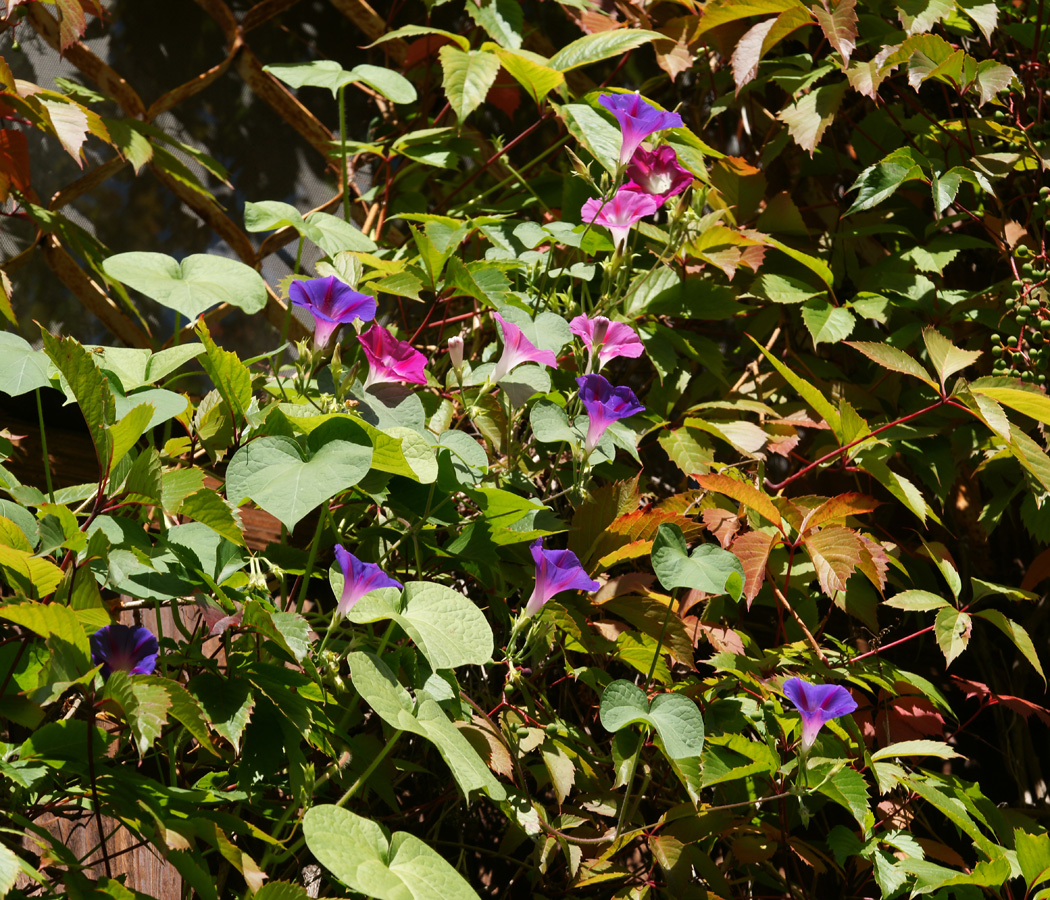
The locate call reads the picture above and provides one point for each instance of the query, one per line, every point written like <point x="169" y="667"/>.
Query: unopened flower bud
<point x="455" y="351"/>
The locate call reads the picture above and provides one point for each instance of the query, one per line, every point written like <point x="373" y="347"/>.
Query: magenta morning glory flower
<point x="390" y="359"/>
<point x="620" y="214"/>
<point x="817" y="703"/>
<point x="359" y="578"/>
<point x="518" y="349"/>
<point x="556" y="571"/>
<point x="605" y="404"/>
<point x="657" y="172"/>
<point x="637" y="120"/>
<point x="610" y="339"/>
<point x="332" y="303"/>
<point x="120" y="648"/>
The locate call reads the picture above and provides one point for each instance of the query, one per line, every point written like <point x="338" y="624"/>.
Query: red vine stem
<point x="780" y="485"/>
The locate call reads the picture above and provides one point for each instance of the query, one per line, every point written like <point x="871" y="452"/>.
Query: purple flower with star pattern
<point x="121" y="648"/>
<point x="556" y="571"/>
<point x="518" y="349"/>
<point x="359" y="578"/>
<point x="332" y="303"/>
<point x="389" y="359"/>
<point x="817" y="703"/>
<point x="605" y="404"/>
<point x="658" y="173"/>
<point x="609" y="339"/>
<point x="638" y="119"/>
<point x="620" y="214"/>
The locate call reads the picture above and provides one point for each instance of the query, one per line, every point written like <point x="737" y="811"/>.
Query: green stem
<point x="630" y="783"/>
<point x="43" y="447"/>
<point x="372" y="766"/>
<point x="311" y="560"/>
<point x="342" y="152"/>
<point x="659" y="643"/>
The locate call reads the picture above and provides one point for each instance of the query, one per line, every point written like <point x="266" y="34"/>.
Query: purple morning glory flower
<point x="120" y="648"/>
<point x="621" y="213"/>
<point x="518" y="349"/>
<point x="605" y="404"/>
<point x="637" y="120"/>
<point x="332" y="303"/>
<point x="657" y="172"/>
<point x="610" y="339"/>
<point x="390" y="359"/>
<point x="359" y="578"/>
<point x="556" y="571"/>
<point x="817" y="703"/>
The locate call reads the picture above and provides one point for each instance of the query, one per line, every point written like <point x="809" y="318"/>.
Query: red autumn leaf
<point x="1024" y="708"/>
<point x="14" y="163"/>
<point x="839" y="24"/>
<point x="722" y="523"/>
<point x="838" y="508"/>
<point x="752" y="549"/>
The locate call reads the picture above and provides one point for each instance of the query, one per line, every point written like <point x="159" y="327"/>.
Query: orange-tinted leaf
<point x="836" y="552"/>
<point x="722" y="523"/>
<point x="838" y="508"/>
<point x="638" y="528"/>
<point x="744" y="493"/>
<point x="14" y="162"/>
<point x="874" y="562"/>
<point x="71" y="20"/>
<point x="752" y="549"/>
<point x="7" y="78"/>
<point x="839" y="26"/>
<point x="722" y="638"/>
<point x="591" y="519"/>
<point x="782" y="439"/>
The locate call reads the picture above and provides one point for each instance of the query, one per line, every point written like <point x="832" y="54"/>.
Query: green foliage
<point x="838" y="330"/>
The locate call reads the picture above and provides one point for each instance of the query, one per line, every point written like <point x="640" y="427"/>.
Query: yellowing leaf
<point x="808" y="117"/>
<point x="467" y="77"/>
<point x="947" y="359"/>
<point x="752" y="549"/>
<point x="744" y="493"/>
<point x="835" y="551"/>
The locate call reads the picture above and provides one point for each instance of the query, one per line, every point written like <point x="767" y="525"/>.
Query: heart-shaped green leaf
<point x="674" y="716"/>
<point x="200" y="282"/>
<point x="710" y="568"/>
<point x="275" y="474"/>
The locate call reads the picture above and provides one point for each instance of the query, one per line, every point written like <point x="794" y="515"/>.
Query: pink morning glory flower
<point x="390" y="359"/>
<point x="621" y="213"/>
<point x="605" y="404"/>
<point x="518" y="349"/>
<point x="637" y="120"/>
<point x="556" y="571"/>
<point x="120" y="648"/>
<point x="332" y="303"/>
<point x="817" y="703"/>
<point x="359" y="578"/>
<point x="657" y="172"/>
<point x="610" y="339"/>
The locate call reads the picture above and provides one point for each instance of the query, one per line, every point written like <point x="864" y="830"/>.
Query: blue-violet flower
<point x="605" y="404"/>
<point x="332" y="303"/>
<point x="120" y="648"/>
<point x="556" y="571"/>
<point x="817" y="703"/>
<point x="637" y="120"/>
<point x="359" y="578"/>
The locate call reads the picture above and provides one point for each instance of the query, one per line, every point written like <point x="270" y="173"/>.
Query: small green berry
<point x="1012" y="340"/>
